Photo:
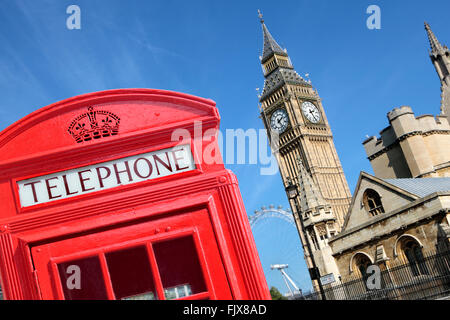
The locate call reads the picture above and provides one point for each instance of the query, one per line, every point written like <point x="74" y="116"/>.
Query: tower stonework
<point x="440" y="57"/>
<point x="319" y="222"/>
<point x="295" y="119"/>
<point x="410" y="147"/>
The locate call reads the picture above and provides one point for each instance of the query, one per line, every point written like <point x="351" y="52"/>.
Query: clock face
<point x="311" y="112"/>
<point x="279" y="120"/>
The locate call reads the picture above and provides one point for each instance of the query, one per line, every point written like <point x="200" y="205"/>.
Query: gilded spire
<point x="281" y="71"/>
<point x="270" y="45"/>
<point x="436" y="47"/>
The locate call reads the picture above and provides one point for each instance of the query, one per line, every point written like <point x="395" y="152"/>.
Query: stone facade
<point x="421" y="218"/>
<point x="411" y="147"/>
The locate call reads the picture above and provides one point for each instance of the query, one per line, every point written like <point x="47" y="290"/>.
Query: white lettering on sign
<point x="106" y="175"/>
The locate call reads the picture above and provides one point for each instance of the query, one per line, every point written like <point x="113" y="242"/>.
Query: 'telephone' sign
<point x="105" y="175"/>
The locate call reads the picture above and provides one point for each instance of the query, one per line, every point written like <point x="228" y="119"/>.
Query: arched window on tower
<point x="412" y="254"/>
<point x="372" y="202"/>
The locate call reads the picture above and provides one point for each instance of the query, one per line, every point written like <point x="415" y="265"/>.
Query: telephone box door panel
<point x="172" y="257"/>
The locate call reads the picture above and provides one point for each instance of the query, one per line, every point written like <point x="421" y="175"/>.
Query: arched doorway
<point x="360" y="264"/>
<point x="411" y="252"/>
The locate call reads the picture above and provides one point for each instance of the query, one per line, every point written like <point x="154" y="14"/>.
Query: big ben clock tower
<point x="292" y="112"/>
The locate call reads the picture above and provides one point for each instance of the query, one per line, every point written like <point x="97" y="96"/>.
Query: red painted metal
<point x="202" y="207"/>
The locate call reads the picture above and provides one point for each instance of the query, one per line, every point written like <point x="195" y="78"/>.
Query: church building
<point x="403" y="212"/>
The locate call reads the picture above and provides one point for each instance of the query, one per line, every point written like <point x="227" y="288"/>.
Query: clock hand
<point x="313" y="114"/>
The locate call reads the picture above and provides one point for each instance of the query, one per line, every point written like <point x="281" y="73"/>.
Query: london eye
<point x="278" y="242"/>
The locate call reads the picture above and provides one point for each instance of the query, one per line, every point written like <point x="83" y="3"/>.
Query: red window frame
<point x="194" y="223"/>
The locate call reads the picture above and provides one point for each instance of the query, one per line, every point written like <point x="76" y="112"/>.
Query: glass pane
<point x="179" y="267"/>
<point x="130" y="273"/>
<point x="82" y="279"/>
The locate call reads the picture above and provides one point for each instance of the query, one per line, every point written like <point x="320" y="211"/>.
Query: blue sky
<point x="211" y="48"/>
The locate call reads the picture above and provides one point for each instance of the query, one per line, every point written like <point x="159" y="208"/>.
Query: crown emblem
<point x="94" y="124"/>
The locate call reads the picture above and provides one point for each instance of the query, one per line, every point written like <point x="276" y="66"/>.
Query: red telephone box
<point x="113" y="195"/>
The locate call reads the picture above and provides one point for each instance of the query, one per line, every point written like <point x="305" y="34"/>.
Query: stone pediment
<point x="391" y="196"/>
